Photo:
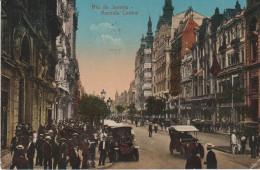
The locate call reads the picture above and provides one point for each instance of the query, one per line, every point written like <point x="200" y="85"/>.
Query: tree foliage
<point x="154" y="106"/>
<point x="92" y="109"/>
<point x="120" y="108"/>
<point x="131" y="110"/>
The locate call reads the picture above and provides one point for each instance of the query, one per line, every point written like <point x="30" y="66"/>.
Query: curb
<point x="222" y="150"/>
<point x="108" y="165"/>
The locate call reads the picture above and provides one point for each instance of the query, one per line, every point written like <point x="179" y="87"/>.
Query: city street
<point x="154" y="152"/>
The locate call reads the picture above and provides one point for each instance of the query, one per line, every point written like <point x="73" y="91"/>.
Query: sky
<point x="106" y="45"/>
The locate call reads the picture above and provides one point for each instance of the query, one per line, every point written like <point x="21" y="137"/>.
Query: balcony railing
<point x="235" y="41"/>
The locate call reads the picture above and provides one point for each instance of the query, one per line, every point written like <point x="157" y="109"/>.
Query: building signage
<point x="147" y="51"/>
<point x="147" y="65"/>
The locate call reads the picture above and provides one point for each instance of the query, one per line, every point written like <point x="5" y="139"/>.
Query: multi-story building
<point x="28" y="54"/>
<point x="231" y="54"/>
<point x="143" y="69"/>
<point x="161" y="53"/>
<point x="182" y="39"/>
<point x="67" y="71"/>
<point x="252" y="58"/>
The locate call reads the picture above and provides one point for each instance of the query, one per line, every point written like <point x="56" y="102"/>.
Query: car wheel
<point x="171" y="149"/>
<point x="182" y="152"/>
<point x="136" y="154"/>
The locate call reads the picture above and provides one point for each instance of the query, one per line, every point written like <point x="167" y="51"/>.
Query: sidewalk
<point x="6" y="161"/>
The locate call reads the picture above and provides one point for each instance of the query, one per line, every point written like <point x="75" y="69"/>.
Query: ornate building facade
<point x="182" y="40"/>
<point x="143" y="69"/>
<point x="67" y="71"/>
<point x="231" y="54"/>
<point x="252" y="58"/>
<point x="28" y="54"/>
<point x="161" y="52"/>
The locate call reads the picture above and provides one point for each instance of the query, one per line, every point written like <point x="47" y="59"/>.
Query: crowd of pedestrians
<point x="57" y="145"/>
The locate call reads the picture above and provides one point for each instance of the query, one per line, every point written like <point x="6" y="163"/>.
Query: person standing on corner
<point x="150" y="129"/>
<point x="103" y="146"/>
<point x="47" y="153"/>
<point x="30" y="152"/>
<point x="193" y="162"/>
<point x="211" y="160"/>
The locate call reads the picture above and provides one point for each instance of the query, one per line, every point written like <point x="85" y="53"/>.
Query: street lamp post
<point x="109" y="103"/>
<point x="103" y="96"/>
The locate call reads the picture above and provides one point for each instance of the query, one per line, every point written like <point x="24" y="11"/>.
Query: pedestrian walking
<point x="47" y="151"/>
<point x="85" y="154"/>
<point x="30" y="152"/>
<point x="39" y="148"/>
<point x="111" y="151"/>
<point x="257" y="144"/>
<point x="136" y="122"/>
<point x="150" y="129"/>
<point x="155" y="128"/>
<point x="194" y="161"/>
<point x="75" y="159"/>
<point x="243" y="143"/>
<point x="20" y="162"/>
<point x="252" y="144"/>
<point x="92" y="150"/>
<point x="103" y="147"/>
<point x="211" y="160"/>
<point x="63" y="154"/>
<point x="55" y="154"/>
<point x="233" y="143"/>
<point x="15" y="140"/>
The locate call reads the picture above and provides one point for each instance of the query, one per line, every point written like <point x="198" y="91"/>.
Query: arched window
<point x="25" y="51"/>
<point x="252" y="24"/>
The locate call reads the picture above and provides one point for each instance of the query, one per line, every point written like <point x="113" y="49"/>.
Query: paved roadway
<point x="154" y="153"/>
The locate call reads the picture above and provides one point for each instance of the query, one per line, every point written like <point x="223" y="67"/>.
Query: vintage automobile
<point x="183" y="142"/>
<point x="124" y="139"/>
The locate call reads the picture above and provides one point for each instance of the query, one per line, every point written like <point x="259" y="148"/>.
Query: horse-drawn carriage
<point x="183" y="142"/>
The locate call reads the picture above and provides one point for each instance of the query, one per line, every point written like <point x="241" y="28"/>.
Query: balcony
<point x="235" y="42"/>
<point x="222" y="48"/>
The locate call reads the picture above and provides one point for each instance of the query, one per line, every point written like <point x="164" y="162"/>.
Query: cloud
<point x="102" y="27"/>
<point x="110" y="40"/>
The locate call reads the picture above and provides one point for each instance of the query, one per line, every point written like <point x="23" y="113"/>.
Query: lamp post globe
<point x="109" y="102"/>
<point x="103" y="94"/>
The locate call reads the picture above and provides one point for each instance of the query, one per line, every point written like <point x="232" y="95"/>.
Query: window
<point x="223" y="62"/>
<point x="237" y="32"/>
<point x="236" y="81"/>
<point x="243" y="55"/>
<point x="242" y="30"/>
<point x="228" y="36"/>
<point x="254" y="84"/>
<point x="254" y="49"/>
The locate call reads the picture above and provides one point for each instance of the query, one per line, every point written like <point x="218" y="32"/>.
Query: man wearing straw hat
<point x="211" y="160"/>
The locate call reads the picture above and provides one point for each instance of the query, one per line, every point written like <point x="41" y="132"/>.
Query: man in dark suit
<point x="252" y="144"/>
<point x="103" y="147"/>
<point x="39" y="147"/>
<point x="193" y="162"/>
<point x="30" y="152"/>
<point x="47" y="151"/>
<point x="150" y="130"/>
